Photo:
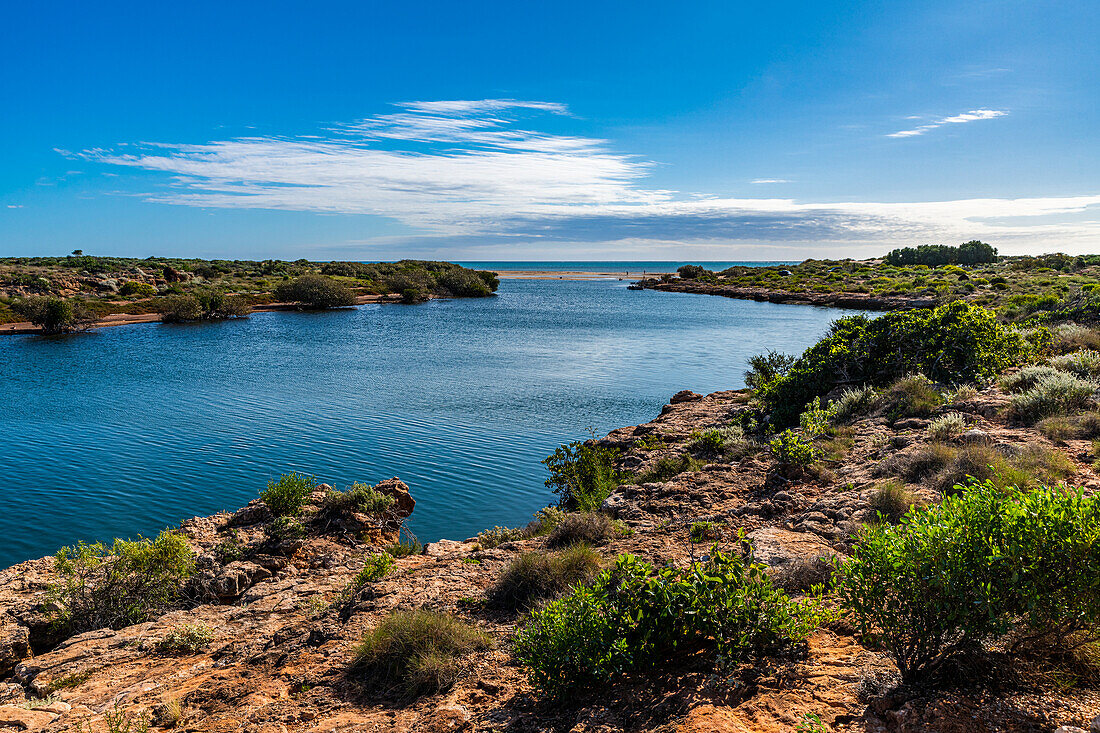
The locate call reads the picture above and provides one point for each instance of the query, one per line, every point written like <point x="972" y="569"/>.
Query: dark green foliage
<point x="202" y="305"/>
<point x="934" y="255"/>
<point x="592" y="528"/>
<point x="536" y="576"/>
<point x="635" y="617"/>
<point x="284" y="530"/>
<point x="952" y="343"/>
<point x="124" y="583"/>
<point x="316" y="291"/>
<point x="417" y="279"/>
<point x="360" y="498"/>
<point x="792" y="450"/>
<point x="286" y="496"/>
<point x="692" y="272"/>
<point x="582" y="475"/>
<point x="953" y="576"/>
<point x="417" y="652"/>
<point x="765" y="369"/>
<point x="375" y="567"/>
<point x="54" y="315"/>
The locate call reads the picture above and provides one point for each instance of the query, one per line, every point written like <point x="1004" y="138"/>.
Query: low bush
<point x="1060" y="428"/>
<point x="911" y="396"/>
<point x="315" y="291"/>
<point x="1084" y="364"/>
<point x="957" y="342"/>
<point x="953" y="576"/>
<point x="704" y="532"/>
<point x="1027" y="377"/>
<point x="54" y="315"/>
<point x="138" y="288"/>
<point x="284" y="530"/>
<point x="892" y="500"/>
<point x="709" y="442"/>
<point x="582" y="475"/>
<point x="1070" y="337"/>
<point x="375" y="567"/>
<point x="634" y="616"/>
<point x="286" y="496"/>
<point x="358" y="499"/>
<point x="792" y="451"/>
<point x="962" y="393"/>
<point x="667" y="468"/>
<point x="405" y="547"/>
<point x="1031" y="465"/>
<point x="489" y="538"/>
<point x="814" y="420"/>
<point x="545" y="521"/>
<point x="921" y="464"/>
<point x="202" y="305"/>
<point x="766" y="369"/>
<point x="853" y="402"/>
<point x="1054" y="394"/>
<point x="591" y="528"/>
<point x="947" y="426"/>
<point x="534" y="576"/>
<point x="186" y="638"/>
<point x="117" y="585"/>
<point x="417" y="652"/>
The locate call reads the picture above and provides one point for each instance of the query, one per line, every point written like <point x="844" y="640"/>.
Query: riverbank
<point x="129" y="319"/>
<point x="279" y="638"/>
<point x="574" y="274"/>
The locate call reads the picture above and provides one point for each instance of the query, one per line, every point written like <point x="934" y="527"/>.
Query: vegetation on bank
<point x="1018" y="288"/>
<point x="183" y="290"/>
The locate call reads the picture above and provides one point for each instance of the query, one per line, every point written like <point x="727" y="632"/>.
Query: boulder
<point x="399" y="490"/>
<point x="685" y="395"/>
<point x="237" y="577"/>
<point x="24" y="718"/>
<point x="15" y="643"/>
<point x="975" y="436"/>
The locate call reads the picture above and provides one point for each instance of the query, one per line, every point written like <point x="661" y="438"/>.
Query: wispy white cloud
<point x="971" y="116"/>
<point x="456" y="173"/>
<point x="770" y="180"/>
<point x="15" y="206"/>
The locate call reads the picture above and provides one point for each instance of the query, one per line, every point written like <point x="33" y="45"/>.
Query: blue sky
<point x="614" y="130"/>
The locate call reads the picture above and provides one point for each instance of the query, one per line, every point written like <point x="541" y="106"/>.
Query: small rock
<point x="23" y="718"/>
<point x="441" y="548"/>
<point x="975" y="436"/>
<point x="1069" y="729"/>
<point x="900" y="441"/>
<point x="450" y="718"/>
<point x="685" y="395"/>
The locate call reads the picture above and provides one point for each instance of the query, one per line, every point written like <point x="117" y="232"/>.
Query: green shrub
<point x="417" y="651"/>
<point x="375" y="567"/>
<point x="814" y="420"/>
<point x="582" y="475"/>
<point x="535" y="576"/>
<point x="489" y="538"/>
<point x="202" y="305"/>
<point x="952" y="576"/>
<point x="853" y="402"/>
<point x="667" y="468"/>
<point x="358" y="499"/>
<point x="284" y="529"/>
<point x="766" y="369"/>
<point x="1084" y="364"/>
<point x="405" y="546"/>
<point x="138" y="288"/>
<point x="186" y="638"/>
<point x="911" y="396"/>
<point x="792" y="451"/>
<point x="545" y="521"/>
<point x="121" y="584"/>
<point x="286" y="496"/>
<point x="708" y="442"/>
<point x="179" y="309"/>
<point x="947" y="426"/>
<point x="315" y="291"/>
<point x="637" y="617"/>
<point x="704" y="532"/>
<point x="590" y="528"/>
<point x="1060" y="428"/>
<point x="1053" y="394"/>
<point x="54" y="315"/>
<point x="1027" y="377"/>
<point x="957" y="342"/>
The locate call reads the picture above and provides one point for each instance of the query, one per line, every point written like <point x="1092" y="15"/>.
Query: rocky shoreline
<point x="283" y="636"/>
<point x="853" y="301"/>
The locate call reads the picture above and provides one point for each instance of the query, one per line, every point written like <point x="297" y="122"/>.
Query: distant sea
<point x="630" y="266"/>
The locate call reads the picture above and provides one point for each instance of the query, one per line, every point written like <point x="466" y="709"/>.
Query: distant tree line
<point x="935" y="255"/>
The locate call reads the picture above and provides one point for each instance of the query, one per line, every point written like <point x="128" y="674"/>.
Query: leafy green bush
<point x="582" y="475"/>
<point x="704" y="532"/>
<point x="417" y="651"/>
<point x="286" y="496"/>
<point x="359" y="499"/>
<point x="202" y="305"/>
<point x="117" y="585"/>
<point x="952" y="576"/>
<point x="636" y="617"/>
<point x="935" y="255"/>
<point x="284" y="530"/>
<point x="315" y="291"/>
<point x="537" y="576"/>
<point x="957" y="342"/>
<point x="375" y="567"/>
<point x="669" y="467"/>
<point x="792" y="450"/>
<point x="190" y="638"/>
<point x="708" y="442"/>
<point x="814" y="420"/>
<point x="765" y="369"/>
<point x="692" y="272"/>
<point x="590" y="528"/>
<point x="138" y="288"/>
<point x="54" y="315"/>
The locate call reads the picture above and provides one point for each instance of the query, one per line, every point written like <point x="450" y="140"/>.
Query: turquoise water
<point x="611" y="265"/>
<point x="130" y="429"/>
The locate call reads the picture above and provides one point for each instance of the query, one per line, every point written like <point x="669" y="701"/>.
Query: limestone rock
<point x="14" y="643"/>
<point x="685" y="395"/>
<point x="24" y="718"/>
